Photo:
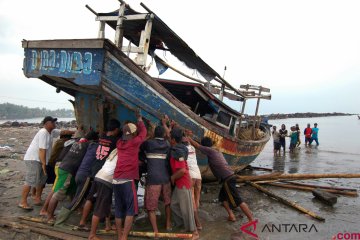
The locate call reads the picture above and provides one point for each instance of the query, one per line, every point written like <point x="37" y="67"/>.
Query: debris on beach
<point x="327" y="194"/>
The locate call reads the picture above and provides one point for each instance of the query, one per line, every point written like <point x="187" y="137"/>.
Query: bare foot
<point x="43" y="213"/>
<point x="93" y="237"/>
<point x="232" y="218"/>
<point x="195" y="236"/>
<point x="109" y="228"/>
<point x="37" y="202"/>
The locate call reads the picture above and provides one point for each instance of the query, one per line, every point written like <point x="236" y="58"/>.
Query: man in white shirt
<point x="36" y="158"/>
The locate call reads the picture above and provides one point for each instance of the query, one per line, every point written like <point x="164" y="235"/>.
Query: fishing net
<point x="247" y="134"/>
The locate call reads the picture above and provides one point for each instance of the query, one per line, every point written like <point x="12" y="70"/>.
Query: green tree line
<point x="13" y="111"/>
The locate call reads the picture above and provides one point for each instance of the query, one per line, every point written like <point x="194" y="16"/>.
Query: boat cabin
<point x="203" y="103"/>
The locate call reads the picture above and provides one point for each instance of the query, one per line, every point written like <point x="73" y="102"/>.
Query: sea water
<point x="36" y="120"/>
<point x="338" y="152"/>
<point x="339" y="143"/>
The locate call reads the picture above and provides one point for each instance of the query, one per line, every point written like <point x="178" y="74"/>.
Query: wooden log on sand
<point x="325" y="197"/>
<point x="150" y="234"/>
<point x="319" y="175"/>
<point x="320" y="186"/>
<point x="40" y="224"/>
<point x="258" y="168"/>
<point x="275" y="176"/>
<point x="43" y="231"/>
<point x="285" y="201"/>
<point x="309" y="189"/>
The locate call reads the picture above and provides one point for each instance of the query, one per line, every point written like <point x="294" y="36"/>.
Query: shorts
<point x="152" y="195"/>
<point x="50" y="171"/>
<point x="282" y="143"/>
<point x="64" y="185"/>
<point x="126" y="203"/>
<point x="307" y="139"/>
<point x="229" y="193"/>
<point x="277" y="146"/>
<point x="34" y="174"/>
<point x="103" y="199"/>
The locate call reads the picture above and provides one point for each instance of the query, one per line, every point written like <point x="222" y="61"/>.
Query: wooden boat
<point x="107" y="83"/>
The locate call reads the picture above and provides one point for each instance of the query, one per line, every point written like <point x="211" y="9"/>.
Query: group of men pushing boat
<point x="93" y="168"/>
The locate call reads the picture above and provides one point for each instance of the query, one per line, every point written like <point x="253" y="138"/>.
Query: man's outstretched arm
<point x="189" y="135"/>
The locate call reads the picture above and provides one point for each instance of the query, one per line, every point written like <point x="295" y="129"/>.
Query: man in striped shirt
<point x="154" y="152"/>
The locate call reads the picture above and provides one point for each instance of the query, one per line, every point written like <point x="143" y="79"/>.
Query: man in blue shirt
<point x="314" y="136"/>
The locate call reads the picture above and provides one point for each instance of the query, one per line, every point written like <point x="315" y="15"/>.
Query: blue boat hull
<point x="107" y="84"/>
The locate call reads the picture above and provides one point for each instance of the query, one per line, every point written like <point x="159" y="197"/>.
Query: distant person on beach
<point x="276" y="138"/>
<point x="125" y="174"/>
<point x="298" y="133"/>
<point x="154" y="152"/>
<point x="314" y="135"/>
<point x="36" y="158"/>
<point x="307" y="133"/>
<point x="229" y="195"/>
<point x="294" y="137"/>
<point x="283" y="134"/>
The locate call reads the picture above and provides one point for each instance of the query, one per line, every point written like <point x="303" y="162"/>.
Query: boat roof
<point x="162" y="33"/>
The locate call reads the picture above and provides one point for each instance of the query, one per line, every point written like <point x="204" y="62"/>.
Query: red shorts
<point x="152" y="195"/>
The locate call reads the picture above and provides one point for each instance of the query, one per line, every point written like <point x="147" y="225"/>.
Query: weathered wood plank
<point x="64" y="43"/>
<point x="310" y="189"/>
<point x="132" y="49"/>
<point x="119" y="31"/>
<point x="101" y="33"/>
<point x="298" y="176"/>
<point x="320" y="186"/>
<point x="43" y="230"/>
<point x="141" y="16"/>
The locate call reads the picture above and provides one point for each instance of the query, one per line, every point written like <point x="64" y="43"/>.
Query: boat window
<point x="223" y="118"/>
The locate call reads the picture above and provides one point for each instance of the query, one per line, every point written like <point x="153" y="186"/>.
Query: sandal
<point x="50" y="222"/>
<point x="82" y="228"/>
<point x="27" y="208"/>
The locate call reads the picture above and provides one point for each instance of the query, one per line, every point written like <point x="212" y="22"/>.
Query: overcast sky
<point x="307" y="52"/>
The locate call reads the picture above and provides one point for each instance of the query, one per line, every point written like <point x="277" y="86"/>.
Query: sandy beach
<point x="341" y="218"/>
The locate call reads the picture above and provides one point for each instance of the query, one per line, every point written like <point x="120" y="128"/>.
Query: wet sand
<point x="342" y="217"/>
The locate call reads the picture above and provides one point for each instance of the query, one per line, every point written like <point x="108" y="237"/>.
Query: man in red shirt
<point x="181" y="199"/>
<point x="307" y="133"/>
<point x="126" y="172"/>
